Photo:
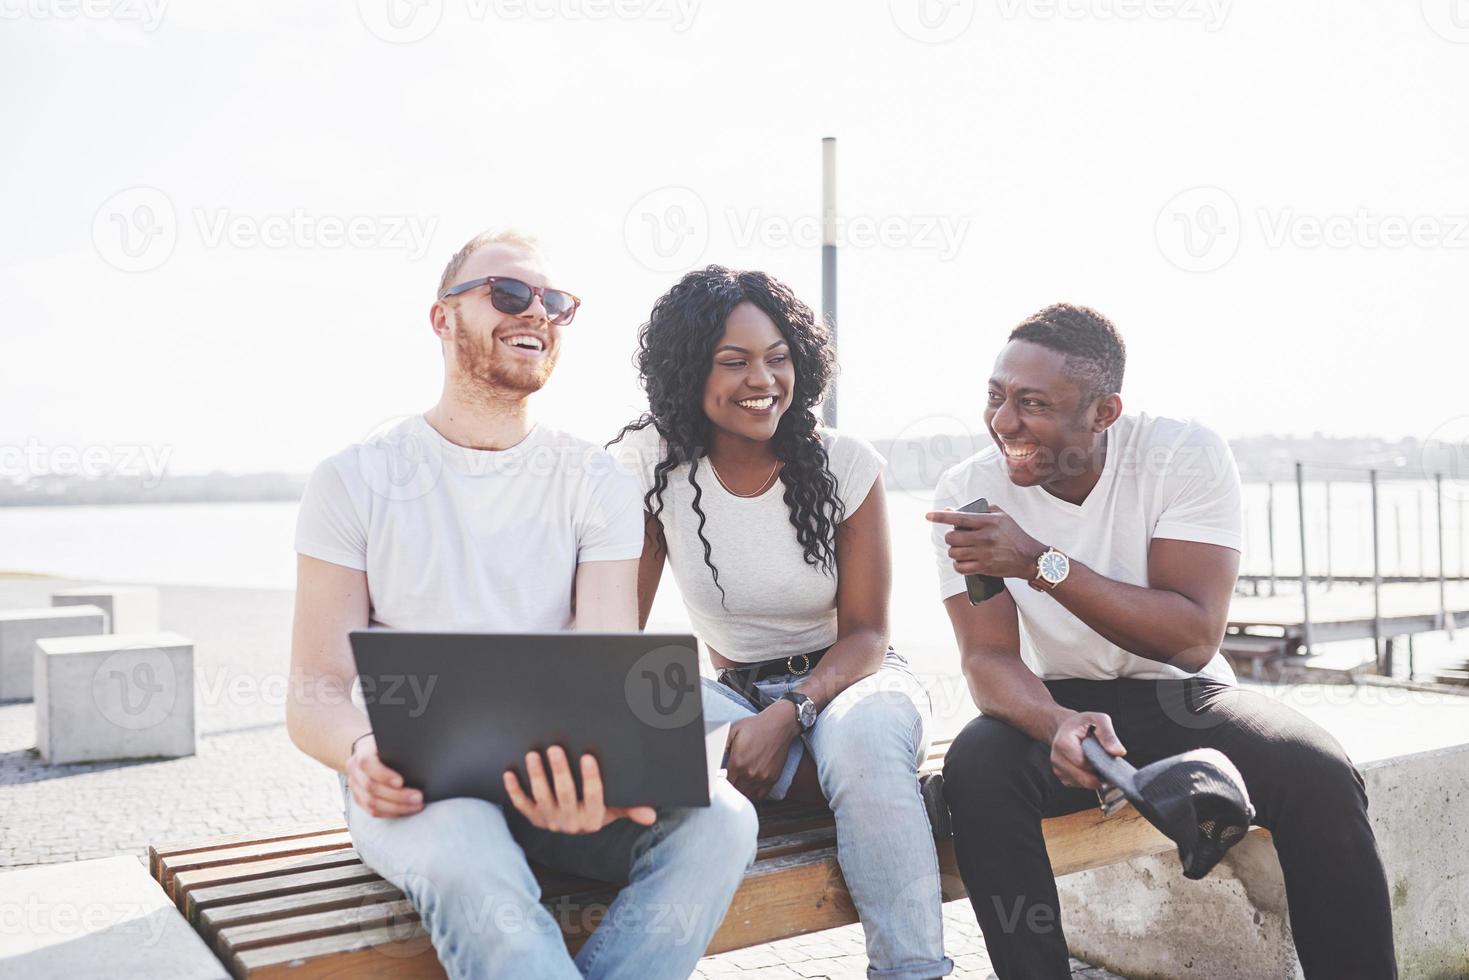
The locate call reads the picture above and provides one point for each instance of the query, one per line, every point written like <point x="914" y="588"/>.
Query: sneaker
<point x="931" y="788"/>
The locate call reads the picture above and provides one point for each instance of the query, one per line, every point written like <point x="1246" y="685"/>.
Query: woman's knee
<point x="878" y="731"/>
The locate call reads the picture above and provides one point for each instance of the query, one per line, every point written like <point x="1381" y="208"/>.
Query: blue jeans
<point x="463" y="864"/>
<point x="867" y="745"/>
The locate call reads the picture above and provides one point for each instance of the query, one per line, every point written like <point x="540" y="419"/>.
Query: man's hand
<point x="376" y="788"/>
<point x="1068" y="762"/>
<point x="553" y="805"/>
<point x="758" y="746"/>
<point x="989" y="544"/>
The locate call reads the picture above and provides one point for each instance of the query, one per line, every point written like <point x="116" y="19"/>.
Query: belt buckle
<point x="805" y="663"/>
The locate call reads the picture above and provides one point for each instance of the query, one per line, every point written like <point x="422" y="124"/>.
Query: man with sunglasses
<point x="472" y="517"/>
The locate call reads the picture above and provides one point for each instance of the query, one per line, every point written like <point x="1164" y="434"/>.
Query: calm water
<point x="249" y="545"/>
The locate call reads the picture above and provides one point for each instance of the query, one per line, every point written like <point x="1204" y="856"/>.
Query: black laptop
<point x="453" y="711"/>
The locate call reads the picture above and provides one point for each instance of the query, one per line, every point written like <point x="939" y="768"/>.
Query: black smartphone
<point x="981" y="587"/>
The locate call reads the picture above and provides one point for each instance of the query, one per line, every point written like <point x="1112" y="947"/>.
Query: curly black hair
<point x="674" y="357"/>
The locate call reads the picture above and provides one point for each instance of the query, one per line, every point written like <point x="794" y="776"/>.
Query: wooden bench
<point x="302" y="905"/>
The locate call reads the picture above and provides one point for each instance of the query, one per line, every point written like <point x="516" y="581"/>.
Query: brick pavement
<point x="247" y="776"/>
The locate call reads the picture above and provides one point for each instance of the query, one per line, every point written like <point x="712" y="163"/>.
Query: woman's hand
<point x="377" y="789"/>
<point x="758" y="746"/>
<point x="553" y="805"/>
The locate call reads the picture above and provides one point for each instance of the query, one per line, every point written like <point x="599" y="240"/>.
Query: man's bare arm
<point x="1177" y="619"/>
<point x="331" y="601"/>
<point x="607" y="596"/>
<point x="1004" y="687"/>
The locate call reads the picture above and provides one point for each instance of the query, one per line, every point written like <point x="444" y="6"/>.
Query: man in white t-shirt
<point x="470" y="517"/>
<point x="1117" y="538"/>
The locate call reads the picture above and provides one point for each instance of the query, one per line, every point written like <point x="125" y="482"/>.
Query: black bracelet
<point x="359" y="738"/>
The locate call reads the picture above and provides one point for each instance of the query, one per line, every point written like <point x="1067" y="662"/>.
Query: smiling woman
<point x="789" y="591"/>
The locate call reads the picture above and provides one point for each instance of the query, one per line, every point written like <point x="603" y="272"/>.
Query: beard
<point x="484" y="366"/>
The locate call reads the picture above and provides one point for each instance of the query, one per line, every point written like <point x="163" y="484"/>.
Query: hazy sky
<point x="223" y="223"/>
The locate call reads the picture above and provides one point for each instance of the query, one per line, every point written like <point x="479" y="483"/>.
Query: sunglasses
<point x="513" y="296"/>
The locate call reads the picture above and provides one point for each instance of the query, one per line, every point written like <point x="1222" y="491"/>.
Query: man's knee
<point x="986" y="763"/>
<point x="723" y="834"/>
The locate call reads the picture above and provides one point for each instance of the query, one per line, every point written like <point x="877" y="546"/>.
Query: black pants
<point x="999" y="786"/>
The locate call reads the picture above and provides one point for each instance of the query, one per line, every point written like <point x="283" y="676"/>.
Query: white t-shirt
<point x="776" y="603"/>
<point x="457" y="539"/>
<point x="1162" y="478"/>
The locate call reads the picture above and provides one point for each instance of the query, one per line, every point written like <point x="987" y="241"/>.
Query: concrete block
<point x="1143" y="919"/>
<point x="21" y="628"/>
<point x="105" y="917"/>
<point x="114" y="696"/>
<point x="129" y="608"/>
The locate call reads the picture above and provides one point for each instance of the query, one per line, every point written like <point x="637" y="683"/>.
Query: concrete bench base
<point x="114" y="696"/>
<point x="93" y="919"/>
<point x="1144" y="919"/>
<point x="129" y="608"/>
<point x="21" y="628"/>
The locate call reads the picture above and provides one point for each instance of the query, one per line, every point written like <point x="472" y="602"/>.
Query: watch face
<point x="806" y="711"/>
<point x="1054" y="566"/>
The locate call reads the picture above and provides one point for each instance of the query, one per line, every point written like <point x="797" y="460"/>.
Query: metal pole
<point x="1443" y="602"/>
<point x="829" y="262"/>
<point x="1422" y="551"/>
<point x="1270" y="530"/>
<point x="1305" y="575"/>
<point x="1376" y="579"/>
<point x="1397" y="538"/>
<point x="1328" y="535"/>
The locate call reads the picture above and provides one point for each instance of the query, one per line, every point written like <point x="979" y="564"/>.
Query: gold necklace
<point x="763" y="486"/>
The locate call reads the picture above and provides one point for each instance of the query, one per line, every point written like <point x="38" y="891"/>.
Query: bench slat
<point x="371" y="954"/>
<point x="196" y="860"/>
<point x="200" y="900"/>
<point x="213" y="920"/>
<point x="185" y="882"/>
<point x="314" y="925"/>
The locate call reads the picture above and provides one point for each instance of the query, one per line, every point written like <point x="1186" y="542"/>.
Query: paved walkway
<point x="247" y="776"/>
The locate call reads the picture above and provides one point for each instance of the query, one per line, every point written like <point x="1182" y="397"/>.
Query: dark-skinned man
<point x="1118" y="537"/>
